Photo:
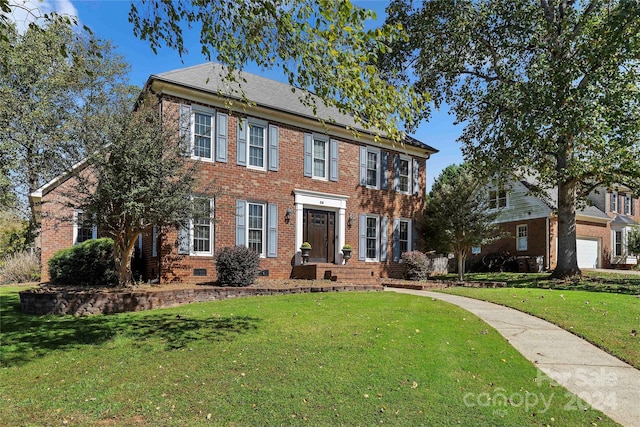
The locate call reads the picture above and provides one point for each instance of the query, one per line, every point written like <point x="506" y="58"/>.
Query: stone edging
<point x="100" y="302"/>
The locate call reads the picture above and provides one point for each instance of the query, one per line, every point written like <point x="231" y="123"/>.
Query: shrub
<point x="88" y="264"/>
<point x="237" y="266"/>
<point x="21" y="267"/>
<point x="417" y="265"/>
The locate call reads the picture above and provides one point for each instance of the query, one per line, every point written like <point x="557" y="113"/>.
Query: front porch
<point x="357" y="274"/>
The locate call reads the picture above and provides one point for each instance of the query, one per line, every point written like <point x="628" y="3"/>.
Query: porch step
<point x="357" y="274"/>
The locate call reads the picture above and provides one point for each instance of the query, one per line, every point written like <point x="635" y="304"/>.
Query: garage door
<point x="587" y="253"/>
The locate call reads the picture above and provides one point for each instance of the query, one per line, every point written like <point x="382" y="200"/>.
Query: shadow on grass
<point x="25" y="337"/>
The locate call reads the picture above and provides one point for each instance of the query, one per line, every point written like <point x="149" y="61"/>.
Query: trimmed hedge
<point x="237" y="266"/>
<point x="88" y="264"/>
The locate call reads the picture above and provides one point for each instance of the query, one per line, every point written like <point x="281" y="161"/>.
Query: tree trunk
<point x="123" y="247"/>
<point x="567" y="256"/>
<point x="461" y="259"/>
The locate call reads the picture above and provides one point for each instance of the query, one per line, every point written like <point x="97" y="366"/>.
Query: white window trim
<point x="327" y="148"/>
<point x="192" y="141"/>
<point x="409" y="161"/>
<point x="94" y="228"/>
<point x="377" y="257"/>
<point x="626" y="203"/>
<point x="614" y="206"/>
<point x="518" y="237"/>
<point x="262" y="254"/>
<point x="253" y="122"/>
<point x="192" y="250"/>
<point x="378" y="168"/>
<point x="497" y="198"/>
<point x="623" y="242"/>
<point x="409" y="236"/>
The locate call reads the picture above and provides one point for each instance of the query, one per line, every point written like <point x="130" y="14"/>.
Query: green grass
<point x="311" y="359"/>
<point x="606" y="318"/>
<point x="589" y="281"/>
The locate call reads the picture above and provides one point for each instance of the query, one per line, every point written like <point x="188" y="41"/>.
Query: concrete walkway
<point x="601" y="380"/>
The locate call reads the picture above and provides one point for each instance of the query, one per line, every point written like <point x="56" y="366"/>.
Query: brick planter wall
<point x="37" y="301"/>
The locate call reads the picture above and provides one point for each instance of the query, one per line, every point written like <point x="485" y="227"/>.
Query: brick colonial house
<point x="530" y="221"/>
<point x="283" y="177"/>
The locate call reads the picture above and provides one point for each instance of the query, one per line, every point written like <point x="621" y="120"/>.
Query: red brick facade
<point x="287" y="188"/>
<point x="542" y="233"/>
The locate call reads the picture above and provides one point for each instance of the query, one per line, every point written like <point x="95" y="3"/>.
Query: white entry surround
<point x="325" y="201"/>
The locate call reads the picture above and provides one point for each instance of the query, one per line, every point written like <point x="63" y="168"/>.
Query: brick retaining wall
<point x="38" y="301"/>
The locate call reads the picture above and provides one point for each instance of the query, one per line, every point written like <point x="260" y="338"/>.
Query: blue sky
<point x="108" y="19"/>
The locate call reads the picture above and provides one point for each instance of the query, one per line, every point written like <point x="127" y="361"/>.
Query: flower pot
<point x="346" y="255"/>
<point x="305" y="253"/>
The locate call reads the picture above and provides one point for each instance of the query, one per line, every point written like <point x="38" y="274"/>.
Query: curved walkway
<point x="601" y="380"/>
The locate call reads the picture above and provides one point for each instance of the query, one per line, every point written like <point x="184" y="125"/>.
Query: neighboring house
<point x="282" y="176"/>
<point x="530" y="225"/>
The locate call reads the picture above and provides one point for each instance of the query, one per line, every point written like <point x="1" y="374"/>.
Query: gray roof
<point x="264" y="92"/>
<point x="550" y="198"/>
<point x="623" y="220"/>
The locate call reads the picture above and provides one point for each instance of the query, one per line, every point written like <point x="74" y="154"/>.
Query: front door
<point x="319" y="230"/>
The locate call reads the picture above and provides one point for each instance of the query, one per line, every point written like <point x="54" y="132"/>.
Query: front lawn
<point x="609" y="318"/>
<point x="311" y="359"/>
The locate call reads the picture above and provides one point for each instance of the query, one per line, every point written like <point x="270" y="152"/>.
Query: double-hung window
<point x="402" y="174"/>
<point x="372" y="162"/>
<point x="202" y="134"/>
<point x="522" y="235"/>
<point x="257" y="139"/>
<point x="320" y="157"/>
<point x="202" y="228"/>
<point x="613" y="204"/>
<point x="618" y="243"/>
<point x="256" y="227"/>
<point x="320" y="162"/>
<point x="257" y="144"/>
<point x="372" y="236"/>
<point x="497" y="199"/>
<point x="195" y="236"/>
<point x="201" y="121"/>
<point x="627" y="204"/>
<point x="404" y="235"/>
<point x="374" y="167"/>
<point x="83" y="228"/>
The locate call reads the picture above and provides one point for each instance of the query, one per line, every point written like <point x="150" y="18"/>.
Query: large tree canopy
<point x="57" y="82"/>
<point x="548" y="88"/>
<point x="457" y="215"/>
<point x="322" y="46"/>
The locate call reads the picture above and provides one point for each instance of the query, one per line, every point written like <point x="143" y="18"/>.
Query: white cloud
<point x="24" y="12"/>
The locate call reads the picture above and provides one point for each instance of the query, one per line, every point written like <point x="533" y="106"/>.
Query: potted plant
<point x="346" y="252"/>
<point x="305" y="249"/>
